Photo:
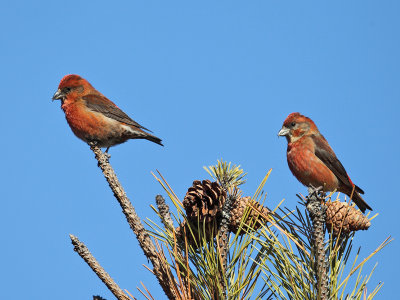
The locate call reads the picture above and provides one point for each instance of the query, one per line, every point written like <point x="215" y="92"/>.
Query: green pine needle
<point x="227" y="175"/>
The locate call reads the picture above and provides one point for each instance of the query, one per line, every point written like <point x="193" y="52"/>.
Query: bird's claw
<point x="317" y="191"/>
<point x="92" y="143"/>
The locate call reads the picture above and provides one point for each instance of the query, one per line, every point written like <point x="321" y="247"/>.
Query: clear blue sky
<point x="212" y="80"/>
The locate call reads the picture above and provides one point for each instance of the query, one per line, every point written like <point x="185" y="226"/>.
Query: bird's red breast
<point x="84" y="123"/>
<point x="307" y="167"/>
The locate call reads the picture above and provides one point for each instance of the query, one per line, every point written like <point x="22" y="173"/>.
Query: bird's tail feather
<point x="153" y="139"/>
<point x="358" y="189"/>
<point x="359" y="201"/>
<point x="136" y="133"/>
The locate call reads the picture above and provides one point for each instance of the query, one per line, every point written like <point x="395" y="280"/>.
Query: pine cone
<point x="342" y="216"/>
<point x="239" y="208"/>
<point x="204" y="200"/>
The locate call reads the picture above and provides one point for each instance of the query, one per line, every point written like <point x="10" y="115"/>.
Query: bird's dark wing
<point x="101" y="104"/>
<point x="325" y="153"/>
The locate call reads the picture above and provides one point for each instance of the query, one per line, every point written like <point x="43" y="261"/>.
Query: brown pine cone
<point x="239" y="208"/>
<point x="254" y="219"/>
<point x="204" y="200"/>
<point x="342" y="216"/>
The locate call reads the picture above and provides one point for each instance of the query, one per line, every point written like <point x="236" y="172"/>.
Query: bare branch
<point x="318" y="215"/>
<point x="133" y="219"/>
<point x="84" y="252"/>
<point x="163" y="209"/>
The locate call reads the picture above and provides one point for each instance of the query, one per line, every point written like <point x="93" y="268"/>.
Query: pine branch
<point x="133" y="220"/>
<point x="165" y="214"/>
<point x="84" y="252"/>
<point x="223" y="235"/>
<point x="318" y="215"/>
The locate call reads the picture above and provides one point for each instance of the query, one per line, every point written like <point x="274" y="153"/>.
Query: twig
<point x="318" y="216"/>
<point x="133" y="219"/>
<point x="84" y="252"/>
<point x="223" y="236"/>
<point x="165" y="215"/>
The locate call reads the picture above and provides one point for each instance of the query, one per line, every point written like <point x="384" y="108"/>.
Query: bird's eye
<point x="67" y="89"/>
<point x="293" y="124"/>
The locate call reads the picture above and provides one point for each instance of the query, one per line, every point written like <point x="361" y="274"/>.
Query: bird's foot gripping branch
<point x="93" y="145"/>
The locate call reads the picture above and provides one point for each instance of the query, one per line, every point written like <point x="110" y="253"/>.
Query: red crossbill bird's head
<point x="70" y="84"/>
<point x="295" y="126"/>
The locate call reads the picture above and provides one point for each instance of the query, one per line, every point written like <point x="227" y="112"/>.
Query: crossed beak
<point x="284" y="131"/>
<point x="59" y="95"/>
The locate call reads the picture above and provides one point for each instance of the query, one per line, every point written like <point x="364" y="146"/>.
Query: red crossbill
<point x="94" y="118"/>
<point x="313" y="162"/>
